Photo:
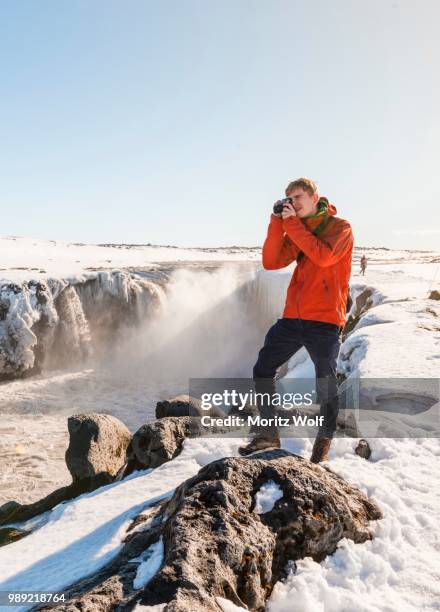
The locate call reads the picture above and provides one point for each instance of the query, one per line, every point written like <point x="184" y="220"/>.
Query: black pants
<point x="321" y="341"/>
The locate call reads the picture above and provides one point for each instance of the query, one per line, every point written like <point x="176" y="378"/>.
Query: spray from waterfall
<point x="211" y="325"/>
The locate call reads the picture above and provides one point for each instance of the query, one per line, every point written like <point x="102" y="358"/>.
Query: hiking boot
<point x="260" y="443"/>
<point x="320" y="450"/>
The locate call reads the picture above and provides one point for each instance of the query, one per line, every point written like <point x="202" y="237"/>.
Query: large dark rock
<point x="216" y="545"/>
<point x="98" y="443"/>
<point x="158" y="442"/>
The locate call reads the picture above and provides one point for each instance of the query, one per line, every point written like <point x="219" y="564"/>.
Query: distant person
<point x="303" y="227"/>
<point x="363" y="265"/>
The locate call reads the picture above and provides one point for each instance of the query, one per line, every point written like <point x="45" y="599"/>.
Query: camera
<point x="279" y="206"/>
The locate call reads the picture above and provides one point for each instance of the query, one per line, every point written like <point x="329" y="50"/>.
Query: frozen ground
<point x="400" y="336"/>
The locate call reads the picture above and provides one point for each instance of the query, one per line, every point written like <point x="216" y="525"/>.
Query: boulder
<point x="184" y="405"/>
<point x="434" y="295"/>
<point x="218" y="543"/>
<point x="98" y="443"/>
<point x="7" y="511"/>
<point x="159" y="441"/>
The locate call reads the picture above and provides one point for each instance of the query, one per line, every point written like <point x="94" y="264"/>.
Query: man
<point x="363" y="265"/>
<point x="307" y="231"/>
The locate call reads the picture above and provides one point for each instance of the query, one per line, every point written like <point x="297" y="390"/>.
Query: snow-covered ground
<point x="398" y="570"/>
<point x="28" y="258"/>
<point x="398" y="337"/>
<point x="23" y="258"/>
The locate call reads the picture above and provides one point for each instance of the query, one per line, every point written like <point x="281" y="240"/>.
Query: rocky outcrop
<point x="159" y="441"/>
<point x="27" y="321"/>
<point x="361" y="303"/>
<point x="98" y="443"/>
<point x="102" y="449"/>
<point x="217" y="545"/>
<point x="117" y="301"/>
<point x="58" y="322"/>
<point x="13" y="512"/>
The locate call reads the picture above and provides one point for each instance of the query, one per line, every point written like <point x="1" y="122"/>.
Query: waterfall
<point x="203" y="321"/>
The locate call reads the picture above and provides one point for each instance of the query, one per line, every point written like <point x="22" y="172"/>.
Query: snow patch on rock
<point x="266" y="497"/>
<point x="151" y="561"/>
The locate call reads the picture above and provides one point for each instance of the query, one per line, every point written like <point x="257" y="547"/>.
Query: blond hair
<point x="303" y="183"/>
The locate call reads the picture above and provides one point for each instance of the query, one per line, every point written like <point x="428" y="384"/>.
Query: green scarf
<point x="321" y="208"/>
<point x="321" y="211"/>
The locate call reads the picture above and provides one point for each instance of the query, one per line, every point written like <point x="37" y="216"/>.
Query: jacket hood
<point x="324" y="208"/>
<point x="331" y="208"/>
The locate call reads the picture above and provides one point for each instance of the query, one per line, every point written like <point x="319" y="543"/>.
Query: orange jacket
<point x="318" y="289"/>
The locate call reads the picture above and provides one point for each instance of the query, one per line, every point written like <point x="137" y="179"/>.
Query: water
<point x="211" y="324"/>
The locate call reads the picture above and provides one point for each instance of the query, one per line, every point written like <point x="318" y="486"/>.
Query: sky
<point x="181" y="122"/>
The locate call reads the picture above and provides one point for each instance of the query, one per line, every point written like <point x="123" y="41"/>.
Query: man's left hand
<point x="288" y="211"/>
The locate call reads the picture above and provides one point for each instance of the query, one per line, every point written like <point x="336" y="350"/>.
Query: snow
<point x="399" y="338"/>
<point x="266" y="497"/>
<point x="24" y="258"/>
<point x="400" y="568"/>
<point x="151" y="561"/>
<point x="227" y="606"/>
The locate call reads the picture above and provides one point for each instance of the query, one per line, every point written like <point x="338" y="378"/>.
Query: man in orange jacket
<point x="308" y="232"/>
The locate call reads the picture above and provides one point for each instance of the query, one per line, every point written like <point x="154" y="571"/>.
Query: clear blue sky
<point x="180" y="122"/>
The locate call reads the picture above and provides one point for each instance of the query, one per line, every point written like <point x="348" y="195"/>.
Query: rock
<point x="363" y="449"/>
<point x="158" y="442"/>
<point x="363" y="303"/>
<point x="217" y="546"/>
<point x="98" y="443"/>
<point x="13" y="512"/>
<point x="7" y="511"/>
<point x="434" y="295"/>
<point x="11" y="534"/>
<point x="184" y="405"/>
